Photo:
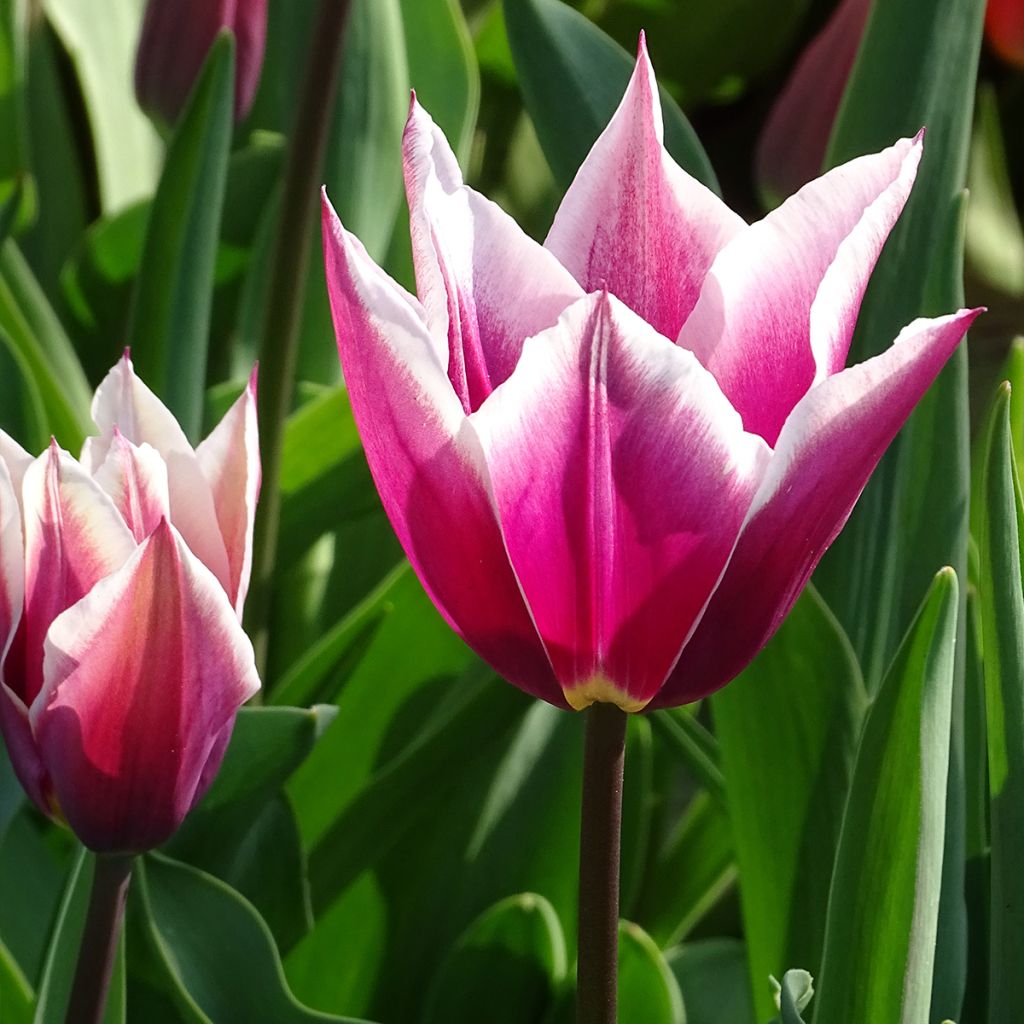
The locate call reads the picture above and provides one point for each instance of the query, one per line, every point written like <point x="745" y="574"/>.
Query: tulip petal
<point x="230" y="461"/>
<point x="634" y="222"/>
<point x="774" y="316"/>
<point x="16" y="459"/>
<point x="621" y="476"/>
<point x="136" y="480"/>
<point x="74" y="537"/>
<point x="426" y="462"/>
<point x="485" y="284"/>
<point x="124" y="402"/>
<point x="142" y="677"/>
<point x="827" y="450"/>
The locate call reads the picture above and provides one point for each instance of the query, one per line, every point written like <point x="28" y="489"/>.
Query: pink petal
<point x="826" y="452"/>
<point x="74" y="537"/>
<point x="122" y="401"/>
<point x="791" y="150"/>
<point x="426" y="464"/>
<point x="136" y="480"/>
<point x="773" y="316"/>
<point x="230" y="461"/>
<point x="485" y="285"/>
<point x="142" y="677"/>
<point x="621" y="477"/>
<point x="634" y="222"/>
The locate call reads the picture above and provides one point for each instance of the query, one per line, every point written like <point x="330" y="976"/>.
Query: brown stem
<point x="600" y="848"/>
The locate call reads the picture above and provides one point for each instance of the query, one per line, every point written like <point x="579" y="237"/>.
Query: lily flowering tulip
<point x="122" y="581"/>
<point x="615" y="459"/>
<point x="177" y="36"/>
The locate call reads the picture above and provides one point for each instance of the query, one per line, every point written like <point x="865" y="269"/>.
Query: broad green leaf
<point x="16" y="995"/>
<point x="170" y="319"/>
<point x="787" y="779"/>
<point x="883" y="908"/>
<point x="1002" y="607"/>
<point x="572" y="77"/>
<point x="216" y="950"/>
<point x="689" y="874"/>
<point x="12" y="796"/>
<point x="648" y="990"/>
<point x="62" y="956"/>
<point x="506" y="966"/>
<point x="713" y="978"/>
<point x="102" y="50"/>
<point x="442" y="68"/>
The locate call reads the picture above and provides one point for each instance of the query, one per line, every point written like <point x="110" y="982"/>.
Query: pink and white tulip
<point x="122" y="581"/>
<point x="615" y="459"/>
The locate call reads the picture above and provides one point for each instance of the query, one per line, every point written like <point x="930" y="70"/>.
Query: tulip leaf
<point x="787" y="779"/>
<point x="14" y="159"/>
<point x="648" y="989"/>
<point x="572" y="77"/>
<point x="712" y="976"/>
<point x="170" y="317"/>
<point x="217" y="952"/>
<point x="16" y="995"/>
<point x="1002" y="604"/>
<point x="12" y="796"/>
<point x="883" y="908"/>
<point x="62" y="956"/>
<point x="696" y="747"/>
<point x="507" y="964"/>
<point x="102" y="51"/>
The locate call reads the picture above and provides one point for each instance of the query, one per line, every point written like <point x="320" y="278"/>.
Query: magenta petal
<point x="426" y="464"/>
<point x="485" y="285"/>
<point x="142" y="677"/>
<point x="634" y="222"/>
<point x="825" y="454"/>
<point x="230" y="461"/>
<point x="136" y="480"/>
<point x="778" y="308"/>
<point x="621" y="476"/>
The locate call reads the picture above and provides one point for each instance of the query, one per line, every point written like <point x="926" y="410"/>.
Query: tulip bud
<point x="1004" y="29"/>
<point x="176" y="37"/>
<point x="122" y="580"/>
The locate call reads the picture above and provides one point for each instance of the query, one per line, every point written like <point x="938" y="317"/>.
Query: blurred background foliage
<point x="395" y="832"/>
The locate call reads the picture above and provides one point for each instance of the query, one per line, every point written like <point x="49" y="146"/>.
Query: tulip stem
<point x="286" y="289"/>
<point x="100" y="938"/>
<point x="600" y="847"/>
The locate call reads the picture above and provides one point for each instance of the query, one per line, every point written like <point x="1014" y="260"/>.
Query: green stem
<point x="289" y="268"/>
<point x="100" y="937"/>
<point x="600" y="849"/>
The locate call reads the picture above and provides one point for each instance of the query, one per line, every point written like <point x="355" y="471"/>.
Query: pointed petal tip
<point x="254" y="379"/>
<point x="641" y="47"/>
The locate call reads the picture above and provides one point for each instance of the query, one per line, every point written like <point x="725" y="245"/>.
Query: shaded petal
<point x="485" y="284"/>
<point x="754" y="326"/>
<point x="74" y="537"/>
<point x="826" y="452"/>
<point x="16" y="459"/>
<point x="634" y="222"/>
<point x="230" y="461"/>
<point x="426" y="463"/>
<point x="142" y="677"/>
<point x="791" y="149"/>
<point x="621" y="476"/>
<point x="123" y="401"/>
<point x="136" y="480"/>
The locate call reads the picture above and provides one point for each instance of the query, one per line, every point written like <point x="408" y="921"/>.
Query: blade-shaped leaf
<point x="883" y="908"/>
<point x="712" y="975"/>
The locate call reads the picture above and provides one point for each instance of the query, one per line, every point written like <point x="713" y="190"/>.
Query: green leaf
<point x="102" y="51"/>
<point x="573" y="76"/>
<point x="510" y="961"/>
<point x="170" y="317"/>
<point x="787" y="779"/>
<point x="883" y="908"/>
<point x="443" y="68"/>
<point x="62" y="956"/>
<point x="14" y="158"/>
<point x="1002" y="605"/>
<point x="218" y="953"/>
<point x="648" y="990"/>
<point x="713" y="978"/>
<point x="697" y="748"/>
<point x="16" y="995"/>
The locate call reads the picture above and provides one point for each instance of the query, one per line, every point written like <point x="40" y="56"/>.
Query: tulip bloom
<point x="615" y="459"/>
<point x="176" y="37"/>
<point x="123" y="579"/>
<point x="1004" y="29"/>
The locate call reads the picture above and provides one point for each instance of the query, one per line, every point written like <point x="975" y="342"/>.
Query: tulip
<point x="124" y="575"/>
<point x="1004" y="29"/>
<point x="615" y="459"/>
<point x="176" y="37"/>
